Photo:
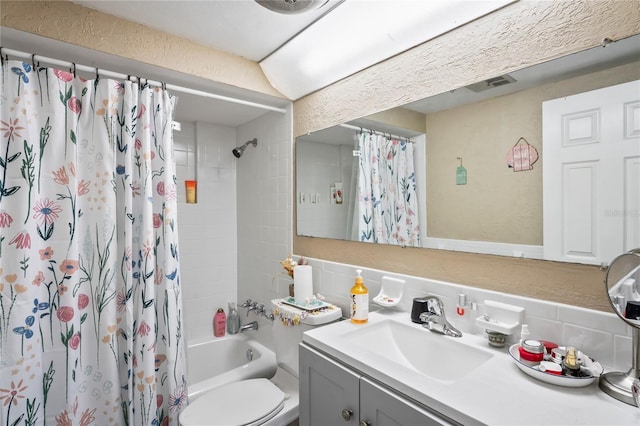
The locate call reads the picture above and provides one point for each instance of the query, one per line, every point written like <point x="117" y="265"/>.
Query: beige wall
<point x="497" y="204"/>
<point x="519" y="35"/>
<point x="77" y="25"/>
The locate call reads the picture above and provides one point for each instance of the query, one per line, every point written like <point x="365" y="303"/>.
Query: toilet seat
<point x="243" y="403"/>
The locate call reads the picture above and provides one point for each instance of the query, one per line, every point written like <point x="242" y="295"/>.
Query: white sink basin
<point x="434" y="355"/>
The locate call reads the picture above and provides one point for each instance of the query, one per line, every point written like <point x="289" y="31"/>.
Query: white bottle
<point x="524" y="333"/>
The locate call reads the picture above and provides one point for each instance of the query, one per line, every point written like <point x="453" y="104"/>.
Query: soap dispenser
<point x="359" y="300"/>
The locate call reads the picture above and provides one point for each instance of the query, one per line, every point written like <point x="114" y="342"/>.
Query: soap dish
<point x="390" y="291"/>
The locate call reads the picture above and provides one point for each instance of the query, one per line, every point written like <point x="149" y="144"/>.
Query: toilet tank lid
<point x="315" y="315"/>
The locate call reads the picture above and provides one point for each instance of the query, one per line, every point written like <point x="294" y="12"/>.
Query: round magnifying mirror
<point x="622" y="284"/>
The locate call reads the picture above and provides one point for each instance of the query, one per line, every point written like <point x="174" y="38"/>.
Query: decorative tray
<point x="554" y="379"/>
<point x="313" y="305"/>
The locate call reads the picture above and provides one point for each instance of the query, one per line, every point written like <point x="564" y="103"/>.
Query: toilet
<point x="264" y="402"/>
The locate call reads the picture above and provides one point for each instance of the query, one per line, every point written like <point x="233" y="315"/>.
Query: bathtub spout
<point x="253" y="325"/>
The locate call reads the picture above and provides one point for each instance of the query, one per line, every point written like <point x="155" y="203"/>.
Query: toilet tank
<point x="291" y="321"/>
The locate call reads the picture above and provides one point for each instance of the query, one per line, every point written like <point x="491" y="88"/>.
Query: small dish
<point x="554" y="379"/>
<point x="390" y="291"/>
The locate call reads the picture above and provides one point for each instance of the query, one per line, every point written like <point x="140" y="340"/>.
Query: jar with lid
<point x="531" y="352"/>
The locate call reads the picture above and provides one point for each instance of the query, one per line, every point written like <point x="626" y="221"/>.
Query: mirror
<point x="498" y="211"/>
<point x="622" y="284"/>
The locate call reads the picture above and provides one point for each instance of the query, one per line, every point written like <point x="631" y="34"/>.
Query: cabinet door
<point x="328" y="391"/>
<point x="380" y="407"/>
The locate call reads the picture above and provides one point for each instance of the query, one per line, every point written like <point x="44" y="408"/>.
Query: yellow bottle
<point x="359" y="301"/>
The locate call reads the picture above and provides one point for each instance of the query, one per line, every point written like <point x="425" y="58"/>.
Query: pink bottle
<point x="219" y="323"/>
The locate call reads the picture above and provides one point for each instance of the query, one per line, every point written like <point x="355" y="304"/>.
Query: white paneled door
<point x="591" y="183"/>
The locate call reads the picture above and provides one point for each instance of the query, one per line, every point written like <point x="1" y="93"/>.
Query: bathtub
<point x="217" y="361"/>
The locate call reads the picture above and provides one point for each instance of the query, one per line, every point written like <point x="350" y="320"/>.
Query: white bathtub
<point x="221" y="360"/>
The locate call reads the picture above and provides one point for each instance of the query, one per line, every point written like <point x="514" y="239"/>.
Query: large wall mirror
<point x="496" y="209"/>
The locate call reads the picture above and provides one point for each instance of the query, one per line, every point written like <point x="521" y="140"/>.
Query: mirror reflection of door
<point x="587" y="137"/>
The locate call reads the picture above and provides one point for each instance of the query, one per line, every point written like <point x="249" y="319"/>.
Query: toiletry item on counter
<point x="302" y="284"/>
<point x="550" y="367"/>
<point x="557" y="355"/>
<point x="632" y="310"/>
<point x="419" y="306"/>
<point x="531" y="352"/>
<point x="570" y="362"/>
<point x="219" y="322"/>
<point x="233" y="321"/>
<point x="359" y="300"/>
<point x="496" y="339"/>
<point x="524" y="333"/>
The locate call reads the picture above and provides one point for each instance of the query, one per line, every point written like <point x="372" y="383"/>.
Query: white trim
<point x="485" y="247"/>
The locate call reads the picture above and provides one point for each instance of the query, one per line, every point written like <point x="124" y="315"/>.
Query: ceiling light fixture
<point x="358" y="34"/>
<point x="292" y="7"/>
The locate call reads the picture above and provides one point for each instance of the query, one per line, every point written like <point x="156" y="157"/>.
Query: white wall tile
<point x="208" y="243"/>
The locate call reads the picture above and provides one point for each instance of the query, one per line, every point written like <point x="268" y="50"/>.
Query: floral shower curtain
<point x="90" y="298"/>
<point x="388" y="208"/>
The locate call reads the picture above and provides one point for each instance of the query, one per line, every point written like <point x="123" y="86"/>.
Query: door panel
<point x="591" y="190"/>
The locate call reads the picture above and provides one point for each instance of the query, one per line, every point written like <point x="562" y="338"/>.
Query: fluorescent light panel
<point x="361" y="33"/>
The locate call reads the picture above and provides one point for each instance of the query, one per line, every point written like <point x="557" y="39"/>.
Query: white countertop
<point x="496" y="393"/>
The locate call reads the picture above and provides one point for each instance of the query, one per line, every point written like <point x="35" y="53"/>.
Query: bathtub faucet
<point x="253" y="325"/>
<point x="251" y="306"/>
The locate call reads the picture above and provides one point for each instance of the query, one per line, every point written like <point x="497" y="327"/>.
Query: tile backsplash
<point x="601" y="335"/>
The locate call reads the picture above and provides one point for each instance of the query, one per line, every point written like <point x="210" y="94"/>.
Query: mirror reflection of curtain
<point x="388" y="208"/>
<point x="91" y="325"/>
<point x="353" y="214"/>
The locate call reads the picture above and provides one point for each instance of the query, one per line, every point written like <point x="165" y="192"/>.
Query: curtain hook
<point x="33" y="60"/>
<point x="97" y="74"/>
<point x="1" y="57"/>
<point x="74" y="69"/>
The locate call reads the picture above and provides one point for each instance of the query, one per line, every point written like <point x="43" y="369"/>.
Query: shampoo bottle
<point x="233" y="322"/>
<point x="219" y="322"/>
<point x="359" y="301"/>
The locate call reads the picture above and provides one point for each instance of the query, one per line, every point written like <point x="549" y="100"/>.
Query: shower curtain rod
<point x="119" y="76"/>
<point x="349" y="126"/>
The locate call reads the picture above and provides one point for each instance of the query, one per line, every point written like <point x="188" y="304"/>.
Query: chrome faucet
<point x="434" y="319"/>
<point x="251" y="306"/>
<point x="253" y="325"/>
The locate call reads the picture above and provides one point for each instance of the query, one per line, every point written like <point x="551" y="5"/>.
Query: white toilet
<point x="260" y="401"/>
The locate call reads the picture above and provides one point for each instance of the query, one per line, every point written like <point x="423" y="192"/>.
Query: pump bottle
<point x="359" y="301"/>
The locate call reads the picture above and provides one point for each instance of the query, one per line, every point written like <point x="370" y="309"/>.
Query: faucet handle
<point x="246" y="304"/>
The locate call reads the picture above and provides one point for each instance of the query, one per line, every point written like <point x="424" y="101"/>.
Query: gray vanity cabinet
<point x="331" y="394"/>
<point x="328" y="391"/>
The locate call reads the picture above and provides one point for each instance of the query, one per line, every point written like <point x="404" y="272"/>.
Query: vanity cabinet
<point x="332" y="394"/>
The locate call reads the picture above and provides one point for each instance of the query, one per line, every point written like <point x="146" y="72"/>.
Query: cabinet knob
<point x="346" y="414"/>
<point x="364" y="423"/>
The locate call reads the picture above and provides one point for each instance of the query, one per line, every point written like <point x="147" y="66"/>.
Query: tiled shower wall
<point x="232" y="239"/>
<point x="206" y="230"/>
<point x="264" y="212"/>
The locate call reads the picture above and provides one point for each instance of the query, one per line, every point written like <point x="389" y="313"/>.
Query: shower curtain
<point x="388" y="207"/>
<point x="90" y="299"/>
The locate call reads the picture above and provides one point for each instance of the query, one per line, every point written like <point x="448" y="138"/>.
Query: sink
<point x="434" y="355"/>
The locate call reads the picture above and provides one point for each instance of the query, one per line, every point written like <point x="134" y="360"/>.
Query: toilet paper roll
<point x="302" y="283"/>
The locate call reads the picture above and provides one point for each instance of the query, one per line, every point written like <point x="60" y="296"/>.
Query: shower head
<point x="240" y="149"/>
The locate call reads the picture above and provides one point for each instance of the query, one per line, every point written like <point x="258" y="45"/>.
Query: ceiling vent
<point x="501" y="80"/>
<point x="292" y="7"/>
